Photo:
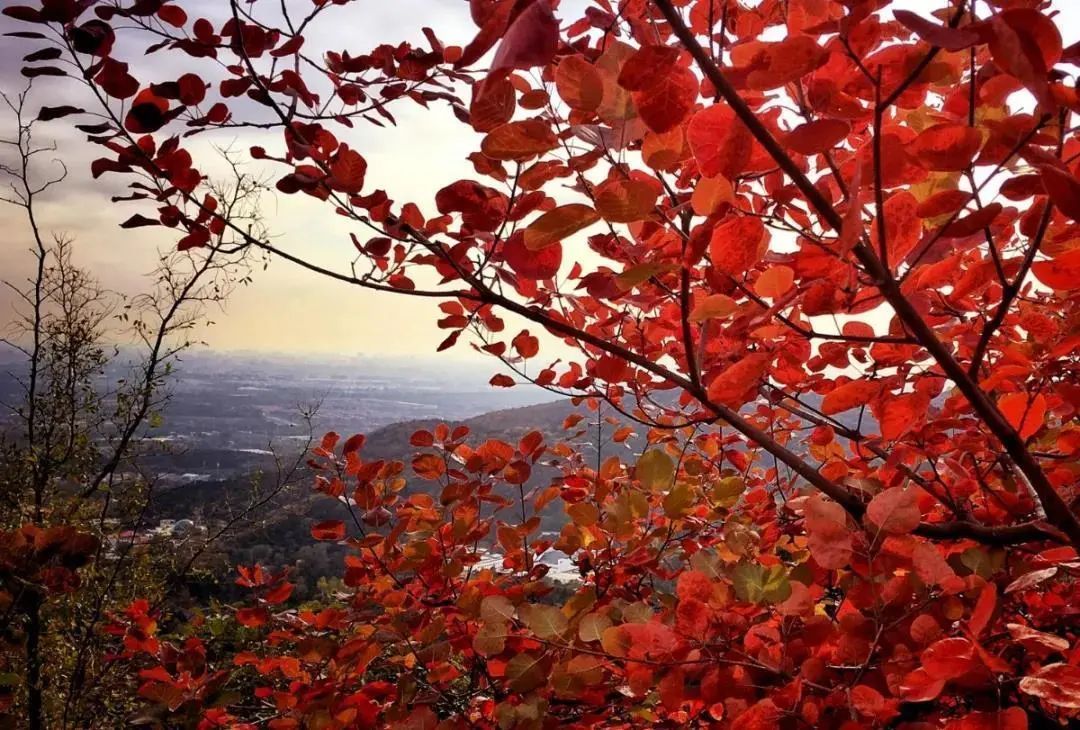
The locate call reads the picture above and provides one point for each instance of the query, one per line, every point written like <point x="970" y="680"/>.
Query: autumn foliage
<point x="825" y="254"/>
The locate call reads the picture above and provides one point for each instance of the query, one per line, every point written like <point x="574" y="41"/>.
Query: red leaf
<point x="930" y="565"/>
<point x="818" y="136"/>
<point x="777" y="64"/>
<point x="541" y="264"/>
<point x="903" y="227"/>
<point x="147" y="113"/>
<point x="647" y="67"/>
<point x="1011" y="718"/>
<point x="347" y="170"/>
<point x="333" y="530"/>
<point x="1024" y="413"/>
<point x="895" y="510"/>
<point x="949" y="658"/>
<point x="623" y="200"/>
<point x="830" y="540"/>
<point x="531" y="39"/>
<point x="493" y="103"/>
<point x="666" y="103"/>
<point x="579" y="83"/>
<point x="694" y="585"/>
<point x="919" y="686"/>
<point x="738" y="383"/>
<point x="173" y="15"/>
<point x="722" y="145"/>
<point x="1026" y="44"/>
<point x="1061" y="272"/>
<point x="946" y="147"/>
<point x="279" y="594"/>
<point x="519" y="141"/>
<point x="984" y="610"/>
<point x="526" y="345"/>
<point x="252" y="617"/>
<point x="23" y="13"/>
<point x="849" y="395"/>
<point x="737" y="245"/>
<point x="951" y="39"/>
<point x="1055" y="684"/>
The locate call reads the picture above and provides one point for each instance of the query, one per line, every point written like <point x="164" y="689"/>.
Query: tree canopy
<point x="825" y="252"/>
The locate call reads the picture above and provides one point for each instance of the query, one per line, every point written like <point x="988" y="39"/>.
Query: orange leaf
<point x="848" y="396"/>
<point x="519" y="140"/>
<point x="710" y="193"/>
<point x="775" y="282"/>
<point x="429" y="466"/>
<point x="626" y="201"/>
<point x="738" y="383"/>
<point x="579" y="83"/>
<point x="558" y="224"/>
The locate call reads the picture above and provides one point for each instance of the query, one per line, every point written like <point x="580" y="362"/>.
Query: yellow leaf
<point x="655" y="470"/>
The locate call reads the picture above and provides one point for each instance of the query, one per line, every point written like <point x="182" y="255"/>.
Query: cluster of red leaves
<point x="702" y="601"/>
<point x="750" y="245"/>
<point x="36" y="565"/>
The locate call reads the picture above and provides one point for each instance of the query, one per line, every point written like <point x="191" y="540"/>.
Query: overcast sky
<point x="285" y="309"/>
